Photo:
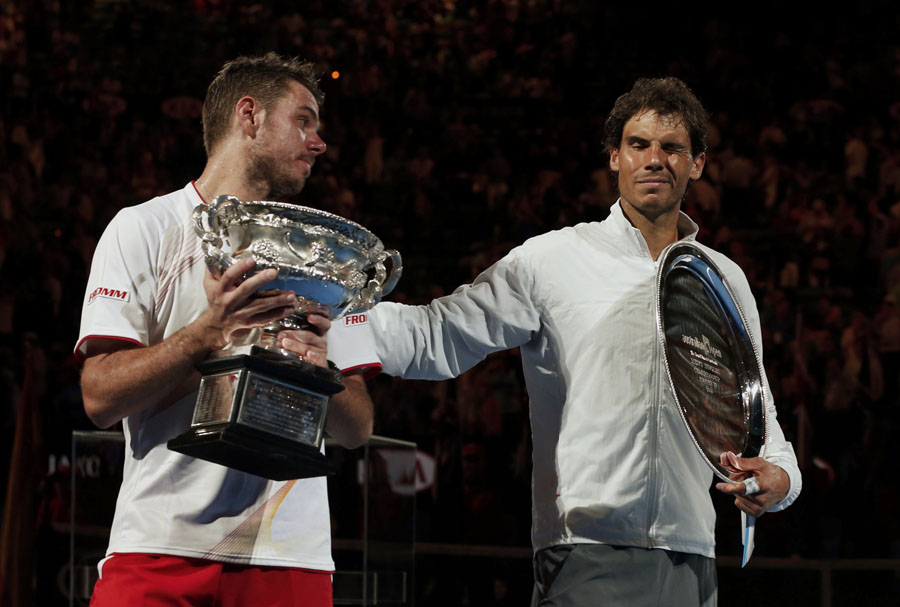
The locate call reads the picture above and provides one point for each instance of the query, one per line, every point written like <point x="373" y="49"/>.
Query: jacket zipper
<point x="653" y="473"/>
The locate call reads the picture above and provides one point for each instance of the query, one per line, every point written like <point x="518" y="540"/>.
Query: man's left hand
<point x="774" y="483"/>
<point x="309" y="344"/>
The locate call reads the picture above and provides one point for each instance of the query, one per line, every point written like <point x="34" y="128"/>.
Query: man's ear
<point x="614" y="159"/>
<point x="697" y="167"/>
<point x="248" y="112"/>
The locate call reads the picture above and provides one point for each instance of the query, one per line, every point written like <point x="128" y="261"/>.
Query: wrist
<point x="203" y="336"/>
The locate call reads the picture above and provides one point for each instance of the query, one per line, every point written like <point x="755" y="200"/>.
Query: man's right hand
<point x="236" y="304"/>
<point x="120" y="378"/>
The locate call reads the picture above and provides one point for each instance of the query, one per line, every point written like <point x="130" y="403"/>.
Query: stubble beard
<point x="654" y="212"/>
<point x="264" y="171"/>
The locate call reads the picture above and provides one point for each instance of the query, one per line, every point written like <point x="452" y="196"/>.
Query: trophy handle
<point x="380" y="285"/>
<point x="396" y="270"/>
<point x="206" y="225"/>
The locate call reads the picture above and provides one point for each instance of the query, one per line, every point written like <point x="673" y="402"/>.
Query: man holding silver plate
<point x="236" y="511"/>
<point x="640" y="351"/>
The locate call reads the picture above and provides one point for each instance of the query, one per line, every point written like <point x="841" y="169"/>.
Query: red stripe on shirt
<point x="80" y="357"/>
<point x="371" y="369"/>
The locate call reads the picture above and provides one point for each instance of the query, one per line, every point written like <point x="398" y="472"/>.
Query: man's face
<point x="654" y="163"/>
<point x="287" y="143"/>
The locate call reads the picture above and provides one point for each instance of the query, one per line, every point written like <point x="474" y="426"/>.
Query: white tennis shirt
<point x="146" y="283"/>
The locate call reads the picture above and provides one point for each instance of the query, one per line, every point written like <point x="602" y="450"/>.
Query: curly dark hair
<point x="665" y="96"/>
<point x="264" y="78"/>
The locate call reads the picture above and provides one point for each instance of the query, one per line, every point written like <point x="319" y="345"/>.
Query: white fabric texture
<point x="613" y="462"/>
<point x="146" y="283"/>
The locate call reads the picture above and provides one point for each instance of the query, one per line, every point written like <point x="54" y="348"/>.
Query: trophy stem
<point x="268" y="342"/>
<point x="268" y="338"/>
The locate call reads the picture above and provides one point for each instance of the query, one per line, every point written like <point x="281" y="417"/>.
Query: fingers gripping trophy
<point x="262" y="409"/>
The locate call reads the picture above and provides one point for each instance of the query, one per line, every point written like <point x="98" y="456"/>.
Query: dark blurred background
<point x="456" y="130"/>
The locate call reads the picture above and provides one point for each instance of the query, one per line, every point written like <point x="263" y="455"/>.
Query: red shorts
<point x="157" y="580"/>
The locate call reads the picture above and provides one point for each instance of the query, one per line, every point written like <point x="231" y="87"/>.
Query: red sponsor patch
<point x="109" y="293"/>
<point x="355" y="319"/>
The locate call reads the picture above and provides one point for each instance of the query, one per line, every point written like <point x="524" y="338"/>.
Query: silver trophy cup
<point x="262" y="409"/>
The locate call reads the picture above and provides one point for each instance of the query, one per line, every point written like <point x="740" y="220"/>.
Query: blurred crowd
<point x="456" y="129"/>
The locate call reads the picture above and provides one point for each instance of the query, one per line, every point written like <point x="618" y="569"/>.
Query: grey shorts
<point x="597" y="575"/>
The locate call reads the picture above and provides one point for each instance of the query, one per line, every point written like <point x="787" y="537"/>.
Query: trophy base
<point x="262" y="415"/>
<point x="253" y="452"/>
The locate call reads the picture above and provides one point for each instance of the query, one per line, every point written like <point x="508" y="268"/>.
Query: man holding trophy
<point x="189" y="531"/>
<point x="621" y="508"/>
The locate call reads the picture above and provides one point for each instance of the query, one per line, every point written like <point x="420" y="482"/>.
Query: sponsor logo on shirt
<point x="109" y="293"/>
<point x="355" y="319"/>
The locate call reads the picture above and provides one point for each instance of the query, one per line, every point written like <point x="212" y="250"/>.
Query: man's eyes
<point x="669" y="149"/>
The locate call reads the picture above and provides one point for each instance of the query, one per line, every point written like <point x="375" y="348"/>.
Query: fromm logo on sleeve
<point x="109" y="293"/>
<point x="355" y="319"/>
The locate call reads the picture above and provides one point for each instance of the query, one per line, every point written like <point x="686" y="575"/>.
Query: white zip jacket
<point x="613" y="462"/>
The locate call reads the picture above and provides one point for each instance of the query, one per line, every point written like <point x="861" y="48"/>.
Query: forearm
<point x="118" y="382"/>
<point x="777" y="450"/>
<point x="787" y="465"/>
<point x="351" y="415"/>
<point x="780" y="452"/>
<point x="452" y="334"/>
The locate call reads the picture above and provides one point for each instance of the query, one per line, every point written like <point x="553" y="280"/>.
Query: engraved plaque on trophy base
<point x="265" y="417"/>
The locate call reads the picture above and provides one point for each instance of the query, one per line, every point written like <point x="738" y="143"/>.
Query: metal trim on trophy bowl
<point x="262" y="409"/>
<point x="712" y="363"/>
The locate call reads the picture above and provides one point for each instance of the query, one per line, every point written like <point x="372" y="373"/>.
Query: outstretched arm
<point x="443" y="339"/>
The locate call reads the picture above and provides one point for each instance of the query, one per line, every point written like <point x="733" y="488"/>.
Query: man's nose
<point x="316" y="144"/>
<point x="654" y="156"/>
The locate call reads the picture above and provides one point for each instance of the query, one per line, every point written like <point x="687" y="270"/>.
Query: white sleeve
<point x="117" y="302"/>
<point x="351" y="345"/>
<point x="454" y="333"/>
<point x="776" y="450"/>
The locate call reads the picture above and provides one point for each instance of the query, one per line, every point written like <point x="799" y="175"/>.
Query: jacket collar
<point x="632" y="238"/>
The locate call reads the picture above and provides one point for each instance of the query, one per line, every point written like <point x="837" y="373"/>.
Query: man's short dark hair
<point x="668" y="97"/>
<point x="264" y="78"/>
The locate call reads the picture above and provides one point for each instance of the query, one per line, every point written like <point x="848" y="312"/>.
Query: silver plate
<point x="712" y="363"/>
